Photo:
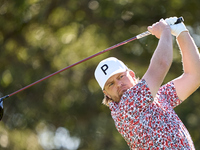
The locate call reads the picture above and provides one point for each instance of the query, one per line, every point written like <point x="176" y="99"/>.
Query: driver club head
<point x="1" y="106"/>
<point x="1" y="109"/>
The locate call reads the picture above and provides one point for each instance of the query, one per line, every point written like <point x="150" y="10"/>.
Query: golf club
<point x="179" y="20"/>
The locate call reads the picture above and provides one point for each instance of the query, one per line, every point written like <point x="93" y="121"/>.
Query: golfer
<point x="143" y="109"/>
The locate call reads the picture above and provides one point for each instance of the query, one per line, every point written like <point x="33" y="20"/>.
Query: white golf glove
<point x="176" y="29"/>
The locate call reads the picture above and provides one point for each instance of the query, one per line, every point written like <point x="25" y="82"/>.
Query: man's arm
<point x="162" y="57"/>
<point x="189" y="81"/>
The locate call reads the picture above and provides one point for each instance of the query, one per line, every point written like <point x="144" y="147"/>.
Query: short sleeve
<point x="168" y="93"/>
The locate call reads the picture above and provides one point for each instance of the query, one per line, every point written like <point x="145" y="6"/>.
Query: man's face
<point x="117" y="84"/>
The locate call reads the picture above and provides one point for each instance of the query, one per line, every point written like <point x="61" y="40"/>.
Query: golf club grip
<point x="179" y="20"/>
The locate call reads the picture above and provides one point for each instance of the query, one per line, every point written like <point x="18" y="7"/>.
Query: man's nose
<point x="119" y="83"/>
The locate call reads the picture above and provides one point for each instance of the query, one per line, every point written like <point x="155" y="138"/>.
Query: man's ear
<point x="132" y="74"/>
<point x="106" y="93"/>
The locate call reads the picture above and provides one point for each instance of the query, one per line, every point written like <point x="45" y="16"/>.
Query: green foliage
<point x="39" y="37"/>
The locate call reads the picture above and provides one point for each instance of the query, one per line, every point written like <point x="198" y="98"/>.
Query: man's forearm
<point x="160" y="62"/>
<point x="190" y="54"/>
<point x="189" y="81"/>
<point x="164" y="50"/>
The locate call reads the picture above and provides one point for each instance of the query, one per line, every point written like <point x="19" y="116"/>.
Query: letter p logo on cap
<point x="104" y="68"/>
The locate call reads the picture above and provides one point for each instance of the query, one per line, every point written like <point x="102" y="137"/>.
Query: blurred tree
<point x="39" y="37"/>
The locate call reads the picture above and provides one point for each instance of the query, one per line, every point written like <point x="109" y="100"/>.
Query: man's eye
<point x="110" y="84"/>
<point x="121" y="76"/>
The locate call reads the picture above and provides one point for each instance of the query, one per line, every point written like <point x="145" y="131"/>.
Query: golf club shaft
<point x="101" y="52"/>
<point x="110" y="48"/>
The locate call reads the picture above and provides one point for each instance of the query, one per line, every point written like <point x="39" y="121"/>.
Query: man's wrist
<point x="167" y="30"/>
<point x="182" y="34"/>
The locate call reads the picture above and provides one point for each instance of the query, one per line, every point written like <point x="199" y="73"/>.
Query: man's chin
<point x="121" y="93"/>
<point x="117" y="99"/>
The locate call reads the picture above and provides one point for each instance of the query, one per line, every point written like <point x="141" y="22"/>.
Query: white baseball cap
<point x="107" y="68"/>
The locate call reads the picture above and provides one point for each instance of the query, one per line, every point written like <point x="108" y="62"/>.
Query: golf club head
<point x="1" y="106"/>
<point x="1" y="109"/>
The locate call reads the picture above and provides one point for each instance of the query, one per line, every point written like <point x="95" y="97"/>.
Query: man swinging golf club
<point x="143" y="110"/>
<point x="179" y="20"/>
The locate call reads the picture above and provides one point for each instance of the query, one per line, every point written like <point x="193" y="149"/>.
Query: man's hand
<point x="176" y="29"/>
<point x="158" y="28"/>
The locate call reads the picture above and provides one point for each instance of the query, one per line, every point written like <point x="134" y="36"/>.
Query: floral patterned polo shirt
<point x="150" y="123"/>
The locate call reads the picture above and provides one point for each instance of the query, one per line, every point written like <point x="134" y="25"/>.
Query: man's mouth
<point x="122" y="90"/>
